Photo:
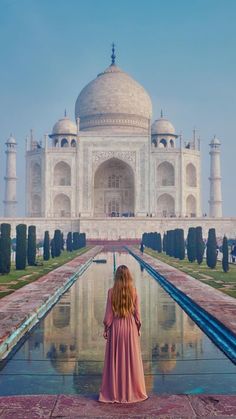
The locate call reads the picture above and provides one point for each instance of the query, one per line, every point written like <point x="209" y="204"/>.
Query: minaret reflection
<point x="73" y="329"/>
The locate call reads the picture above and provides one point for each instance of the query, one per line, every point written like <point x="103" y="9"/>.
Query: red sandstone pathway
<point x="220" y="305"/>
<point x="165" y="407"/>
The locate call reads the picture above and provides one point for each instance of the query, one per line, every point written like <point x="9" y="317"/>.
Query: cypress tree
<point x="155" y="241"/>
<point x="164" y="242"/>
<point x="75" y="240"/>
<point x="62" y="241"/>
<point x="31" y="246"/>
<point x="52" y="244"/>
<point x="176" y="243"/>
<point x="181" y="244"/>
<point x="57" y="242"/>
<point x="46" y="246"/>
<point x="225" y="259"/>
<point x="5" y="249"/>
<point x="172" y="243"/>
<point x="168" y="242"/>
<point x="69" y="246"/>
<point x="84" y="239"/>
<point x="191" y="244"/>
<point x="200" y="245"/>
<point x="21" y="246"/>
<point x="159" y="243"/>
<point x="211" y="249"/>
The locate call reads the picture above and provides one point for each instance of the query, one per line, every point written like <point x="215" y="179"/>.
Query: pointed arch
<point x="114" y="189"/>
<point x="165" y="174"/>
<point x="191" y="206"/>
<point x="191" y="175"/>
<point x="62" y="174"/>
<point x="62" y="206"/>
<point x="165" y="206"/>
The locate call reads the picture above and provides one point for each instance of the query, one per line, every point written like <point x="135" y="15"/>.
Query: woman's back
<point x="123" y="377"/>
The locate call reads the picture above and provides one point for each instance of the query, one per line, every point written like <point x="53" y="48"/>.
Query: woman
<point x="123" y="377"/>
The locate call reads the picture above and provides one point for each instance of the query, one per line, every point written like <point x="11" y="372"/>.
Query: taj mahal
<point x="115" y="171"/>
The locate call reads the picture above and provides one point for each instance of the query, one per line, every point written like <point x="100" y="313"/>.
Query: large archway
<point x="114" y="189"/>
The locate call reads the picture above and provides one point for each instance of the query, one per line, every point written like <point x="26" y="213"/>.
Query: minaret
<point x="215" y="202"/>
<point x="10" y="178"/>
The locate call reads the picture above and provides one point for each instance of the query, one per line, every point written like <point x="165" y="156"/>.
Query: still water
<point x="64" y="353"/>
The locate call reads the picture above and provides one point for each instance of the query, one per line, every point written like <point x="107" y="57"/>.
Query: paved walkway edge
<point x="165" y="407"/>
<point x="10" y="341"/>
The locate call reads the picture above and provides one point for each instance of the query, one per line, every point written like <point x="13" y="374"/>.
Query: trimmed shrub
<point x="62" y="241"/>
<point x="46" y="246"/>
<point x="211" y="249"/>
<point x="52" y="245"/>
<point x="5" y="249"/>
<point x="191" y="244"/>
<point x="176" y="243"/>
<point x="57" y="242"/>
<point x="69" y="244"/>
<point x="200" y="245"/>
<point x="172" y="243"/>
<point x="31" y="246"/>
<point x="181" y="243"/>
<point x="159" y="243"/>
<point x="164" y="242"/>
<point x="225" y="259"/>
<point x="75" y="240"/>
<point x="21" y="246"/>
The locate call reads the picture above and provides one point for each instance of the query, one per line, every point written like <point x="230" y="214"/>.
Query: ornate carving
<point x="126" y="156"/>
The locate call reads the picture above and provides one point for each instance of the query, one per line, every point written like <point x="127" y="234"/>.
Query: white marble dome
<point x="64" y="127"/>
<point x="114" y="100"/>
<point x="162" y="126"/>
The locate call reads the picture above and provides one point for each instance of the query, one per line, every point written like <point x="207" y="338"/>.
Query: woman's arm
<point x="108" y="318"/>
<point x="137" y="315"/>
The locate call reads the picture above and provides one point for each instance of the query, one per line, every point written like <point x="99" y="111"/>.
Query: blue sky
<point x="183" y="53"/>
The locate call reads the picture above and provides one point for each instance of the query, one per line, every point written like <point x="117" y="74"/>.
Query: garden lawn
<point x="18" y="278"/>
<point x="225" y="282"/>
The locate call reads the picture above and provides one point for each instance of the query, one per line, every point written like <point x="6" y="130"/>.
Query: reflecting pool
<point x="64" y="353"/>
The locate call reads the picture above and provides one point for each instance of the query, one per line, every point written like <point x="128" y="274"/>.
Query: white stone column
<point x="215" y="202"/>
<point x="10" y="179"/>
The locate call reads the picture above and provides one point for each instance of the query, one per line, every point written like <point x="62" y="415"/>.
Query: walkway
<point x="165" y="407"/>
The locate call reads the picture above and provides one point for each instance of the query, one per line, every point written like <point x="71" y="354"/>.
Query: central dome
<point x="114" y="101"/>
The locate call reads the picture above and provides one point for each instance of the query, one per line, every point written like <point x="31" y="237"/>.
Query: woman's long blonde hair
<point x="123" y="292"/>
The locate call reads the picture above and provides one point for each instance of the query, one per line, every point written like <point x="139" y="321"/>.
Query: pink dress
<point x="123" y="376"/>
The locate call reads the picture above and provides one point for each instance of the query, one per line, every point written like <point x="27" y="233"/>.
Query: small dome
<point x="114" y="100"/>
<point x="11" y="140"/>
<point x="215" y="141"/>
<point x="64" y="127"/>
<point x="162" y="126"/>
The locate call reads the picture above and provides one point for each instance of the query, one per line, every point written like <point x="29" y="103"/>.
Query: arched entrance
<point x="114" y="189"/>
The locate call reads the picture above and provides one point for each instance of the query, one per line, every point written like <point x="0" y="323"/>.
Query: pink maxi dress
<point x="123" y="376"/>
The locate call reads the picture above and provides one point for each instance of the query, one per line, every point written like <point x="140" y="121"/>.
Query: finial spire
<point x="65" y="114"/>
<point x="161" y="113"/>
<point x="113" y="56"/>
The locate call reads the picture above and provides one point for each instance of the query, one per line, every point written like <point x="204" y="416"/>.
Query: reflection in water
<point x="68" y="346"/>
